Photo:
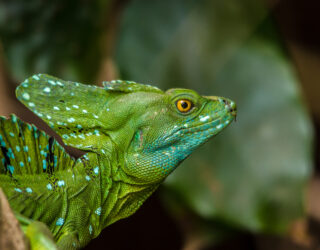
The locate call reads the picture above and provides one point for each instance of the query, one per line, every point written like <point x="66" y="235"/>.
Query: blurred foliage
<point x="62" y="38"/>
<point x="253" y="175"/>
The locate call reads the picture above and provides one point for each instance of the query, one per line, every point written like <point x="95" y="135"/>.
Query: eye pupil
<point x="184" y="105"/>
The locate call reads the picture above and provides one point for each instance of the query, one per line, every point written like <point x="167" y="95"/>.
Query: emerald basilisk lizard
<point x="133" y="136"/>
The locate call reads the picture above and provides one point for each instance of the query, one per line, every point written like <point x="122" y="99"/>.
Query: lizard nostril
<point x="225" y="101"/>
<point x="231" y="106"/>
<point x="228" y="105"/>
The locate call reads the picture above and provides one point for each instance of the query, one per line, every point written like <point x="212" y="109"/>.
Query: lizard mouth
<point x="206" y="125"/>
<point x="217" y="124"/>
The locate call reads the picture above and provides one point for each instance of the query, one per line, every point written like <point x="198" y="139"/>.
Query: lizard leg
<point x="38" y="234"/>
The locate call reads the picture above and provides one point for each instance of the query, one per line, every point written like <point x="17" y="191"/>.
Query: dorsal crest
<point x="129" y="86"/>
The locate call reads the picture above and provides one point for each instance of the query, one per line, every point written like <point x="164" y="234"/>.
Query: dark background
<point x="154" y="226"/>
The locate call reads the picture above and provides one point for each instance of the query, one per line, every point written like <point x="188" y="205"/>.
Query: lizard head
<point x="169" y="127"/>
<point x="148" y="131"/>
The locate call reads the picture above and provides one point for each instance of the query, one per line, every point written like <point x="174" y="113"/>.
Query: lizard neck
<point x="118" y="195"/>
<point x="122" y="194"/>
<point x="99" y="189"/>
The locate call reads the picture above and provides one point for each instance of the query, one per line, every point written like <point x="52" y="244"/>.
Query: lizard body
<point x="134" y="136"/>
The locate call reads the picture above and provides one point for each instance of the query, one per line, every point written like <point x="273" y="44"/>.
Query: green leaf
<point x="252" y="175"/>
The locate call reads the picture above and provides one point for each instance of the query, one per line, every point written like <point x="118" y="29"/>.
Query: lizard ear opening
<point x="75" y="111"/>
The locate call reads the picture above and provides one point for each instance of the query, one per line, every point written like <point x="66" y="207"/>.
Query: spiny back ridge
<point x="24" y="149"/>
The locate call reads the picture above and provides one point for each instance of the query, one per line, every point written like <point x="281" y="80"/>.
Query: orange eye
<point x="184" y="105"/>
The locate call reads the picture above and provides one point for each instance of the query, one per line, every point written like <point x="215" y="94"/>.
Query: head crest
<point x="129" y="86"/>
<point x="81" y="114"/>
